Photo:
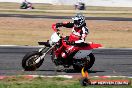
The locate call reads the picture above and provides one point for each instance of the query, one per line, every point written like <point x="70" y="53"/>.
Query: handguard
<point x="44" y="43"/>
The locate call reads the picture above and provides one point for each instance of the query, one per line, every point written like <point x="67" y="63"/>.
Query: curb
<point x="36" y="76"/>
<point x="111" y="76"/>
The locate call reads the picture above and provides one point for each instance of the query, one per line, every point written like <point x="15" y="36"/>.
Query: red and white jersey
<point x="78" y="35"/>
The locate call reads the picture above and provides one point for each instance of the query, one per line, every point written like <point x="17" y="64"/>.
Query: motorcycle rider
<point x="78" y="35"/>
<point x="26" y="5"/>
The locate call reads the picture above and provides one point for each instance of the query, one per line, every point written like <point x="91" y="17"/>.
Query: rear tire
<point x="87" y="65"/>
<point x="28" y="61"/>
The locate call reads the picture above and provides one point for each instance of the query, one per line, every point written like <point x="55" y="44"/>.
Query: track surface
<point x="108" y="62"/>
<point x="65" y="17"/>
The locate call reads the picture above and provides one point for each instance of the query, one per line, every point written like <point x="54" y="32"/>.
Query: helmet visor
<point x="77" y="22"/>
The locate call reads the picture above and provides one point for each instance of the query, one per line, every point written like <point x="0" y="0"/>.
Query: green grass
<point x="20" y="82"/>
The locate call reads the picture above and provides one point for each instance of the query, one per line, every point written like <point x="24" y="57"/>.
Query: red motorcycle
<point x="83" y="57"/>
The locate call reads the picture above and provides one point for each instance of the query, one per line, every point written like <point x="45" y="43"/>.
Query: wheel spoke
<point x="31" y="61"/>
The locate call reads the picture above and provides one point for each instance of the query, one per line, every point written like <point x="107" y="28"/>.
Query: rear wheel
<point x="87" y="63"/>
<point x="28" y="62"/>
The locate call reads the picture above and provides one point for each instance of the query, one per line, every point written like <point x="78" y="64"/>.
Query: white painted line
<point x="61" y="76"/>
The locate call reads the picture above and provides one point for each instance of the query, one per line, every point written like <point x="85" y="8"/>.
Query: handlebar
<point x="54" y="28"/>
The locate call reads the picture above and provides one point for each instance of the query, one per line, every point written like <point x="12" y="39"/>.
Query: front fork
<point x="43" y="52"/>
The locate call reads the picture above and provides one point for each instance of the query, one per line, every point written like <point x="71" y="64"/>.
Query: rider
<point x="26" y="5"/>
<point x="78" y="35"/>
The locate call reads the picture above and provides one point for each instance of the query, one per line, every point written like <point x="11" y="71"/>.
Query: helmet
<point x="79" y="20"/>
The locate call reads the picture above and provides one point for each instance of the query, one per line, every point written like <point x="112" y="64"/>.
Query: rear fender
<point x="86" y="50"/>
<point x="91" y="46"/>
<point x="94" y="45"/>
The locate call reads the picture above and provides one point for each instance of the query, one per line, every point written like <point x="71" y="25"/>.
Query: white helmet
<point x="79" y="20"/>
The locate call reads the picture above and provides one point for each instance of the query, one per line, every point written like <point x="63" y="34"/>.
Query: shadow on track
<point x="72" y="71"/>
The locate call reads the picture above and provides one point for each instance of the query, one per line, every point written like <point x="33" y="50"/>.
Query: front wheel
<point x="87" y="63"/>
<point x="28" y="61"/>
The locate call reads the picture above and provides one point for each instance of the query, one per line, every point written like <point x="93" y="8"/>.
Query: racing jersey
<point x="78" y="35"/>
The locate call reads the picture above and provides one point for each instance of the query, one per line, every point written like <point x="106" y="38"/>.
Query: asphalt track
<point x="108" y="62"/>
<point x="65" y="17"/>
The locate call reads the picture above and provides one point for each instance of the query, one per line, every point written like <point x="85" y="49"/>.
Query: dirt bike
<point x="78" y="59"/>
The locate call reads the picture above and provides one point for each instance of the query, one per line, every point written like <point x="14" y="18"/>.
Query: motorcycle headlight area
<point x="55" y="37"/>
<point x="51" y="43"/>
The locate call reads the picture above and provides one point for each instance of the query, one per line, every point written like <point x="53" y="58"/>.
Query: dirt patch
<point x="110" y="25"/>
<point x="28" y="31"/>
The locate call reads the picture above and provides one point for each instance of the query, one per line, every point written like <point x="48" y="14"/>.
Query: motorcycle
<point x="83" y="57"/>
<point x="26" y="5"/>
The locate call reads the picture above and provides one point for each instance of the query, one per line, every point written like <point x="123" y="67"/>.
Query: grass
<point x="36" y="83"/>
<point x="19" y="82"/>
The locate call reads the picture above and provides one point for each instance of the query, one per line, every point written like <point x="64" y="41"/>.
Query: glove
<point x="59" y="25"/>
<point x="56" y="29"/>
<point x="70" y="43"/>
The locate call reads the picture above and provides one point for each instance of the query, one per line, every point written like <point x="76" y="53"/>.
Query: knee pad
<point x="63" y="55"/>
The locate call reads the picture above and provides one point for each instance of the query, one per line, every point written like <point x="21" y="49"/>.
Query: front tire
<point x="28" y="61"/>
<point x="87" y="64"/>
